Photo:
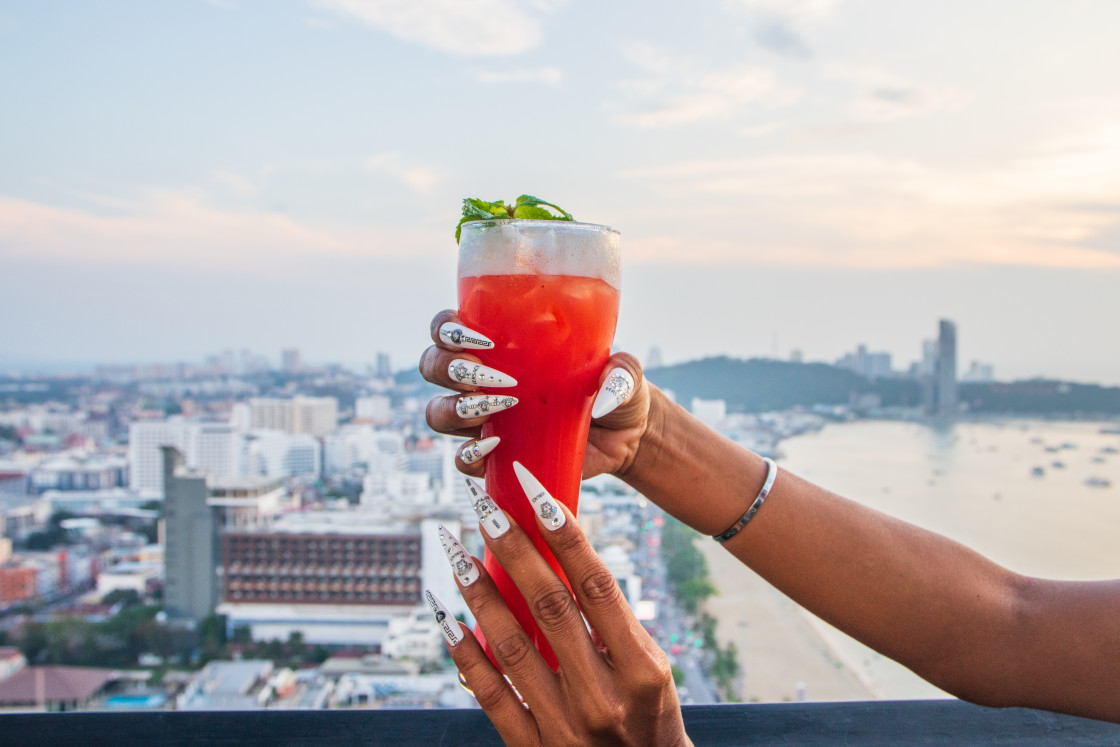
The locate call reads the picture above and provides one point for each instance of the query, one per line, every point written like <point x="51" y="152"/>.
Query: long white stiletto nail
<point x="617" y="388"/>
<point x="461" y="561"/>
<point x="476" y="374"/>
<point x="450" y="627"/>
<point x="464" y="337"/>
<point x="489" y="515"/>
<point x="477" y="450"/>
<point x="477" y="405"/>
<point x="547" y="507"/>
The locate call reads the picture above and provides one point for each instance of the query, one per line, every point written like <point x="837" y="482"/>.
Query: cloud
<point x="417" y="178"/>
<point x="869" y="211"/>
<point x="883" y="95"/>
<point x="674" y="91"/>
<point x="784" y="26"/>
<point x="779" y="36"/>
<point x="181" y="227"/>
<point x="479" y="28"/>
<point x="551" y="76"/>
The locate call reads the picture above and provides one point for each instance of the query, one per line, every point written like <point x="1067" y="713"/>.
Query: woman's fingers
<point x="450" y="364"/>
<point x="443" y="417"/>
<point x="470" y="459"/>
<point x="511" y="646"/>
<point x="514" y="724"/>
<point x="621" y="382"/>
<point x="448" y="332"/>
<point x="599" y="595"/>
<point x="461" y="370"/>
<point x="549" y="600"/>
<point x="464" y="414"/>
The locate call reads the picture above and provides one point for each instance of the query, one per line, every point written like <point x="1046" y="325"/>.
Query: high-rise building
<point x="215" y="449"/>
<point x="866" y="363"/>
<point x="145" y="460"/>
<point x="384" y="370"/>
<point x="316" y="416"/>
<point x="946" y="374"/>
<point x="290" y="360"/>
<point x="191" y="550"/>
<point x="979" y="373"/>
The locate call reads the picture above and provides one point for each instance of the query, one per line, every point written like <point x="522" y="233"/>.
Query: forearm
<point x="941" y="609"/>
<point x="860" y="570"/>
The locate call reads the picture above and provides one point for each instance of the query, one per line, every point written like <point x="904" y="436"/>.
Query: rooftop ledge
<point x="916" y="722"/>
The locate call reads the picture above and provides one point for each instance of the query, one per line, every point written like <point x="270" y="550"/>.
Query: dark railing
<point x="919" y="722"/>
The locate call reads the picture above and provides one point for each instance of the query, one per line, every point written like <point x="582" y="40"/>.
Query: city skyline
<point x="806" y="174"/>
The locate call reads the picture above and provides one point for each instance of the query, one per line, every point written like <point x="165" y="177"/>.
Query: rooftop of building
<point x="51" y="684"/>
<point x="226" y="686"/>
<point x="353" y="523"/>
<point x="242" y="487"/>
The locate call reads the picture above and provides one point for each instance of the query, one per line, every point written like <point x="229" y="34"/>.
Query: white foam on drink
<point x="547" y="247"/>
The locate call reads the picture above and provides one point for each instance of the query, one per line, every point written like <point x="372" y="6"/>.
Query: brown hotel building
<point x="336" y="577"/>
<point x="300" y="568"/>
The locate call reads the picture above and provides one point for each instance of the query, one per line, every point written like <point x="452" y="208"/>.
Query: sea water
<point x="1038" y="497"/>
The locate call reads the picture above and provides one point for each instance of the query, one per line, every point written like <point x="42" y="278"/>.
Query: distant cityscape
<point x="275" y="528"/>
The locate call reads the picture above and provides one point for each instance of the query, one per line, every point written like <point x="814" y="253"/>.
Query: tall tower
<point x="946" y="374"/>
<point x="191" y="552"/>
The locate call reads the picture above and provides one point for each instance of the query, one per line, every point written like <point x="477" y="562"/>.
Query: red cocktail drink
<point x="546" y="293"/>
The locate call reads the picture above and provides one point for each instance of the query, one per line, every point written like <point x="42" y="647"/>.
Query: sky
<point x="183" y="177"/>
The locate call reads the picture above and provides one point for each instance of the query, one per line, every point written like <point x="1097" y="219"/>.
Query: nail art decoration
<point x="448" y="625"/>
<point x="615" y="390"/>
<point x="461" y="561"/>
<point x="477" y="405"/>
<point x="546" y="507"/>
<point x="489" y="515"/>
<point x="477" y="450"/>
<point x="464" y="337"/>
<point x="476" y="374"/>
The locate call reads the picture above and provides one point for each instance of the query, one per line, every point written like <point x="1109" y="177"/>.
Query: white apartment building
<point x="276" y="454"/>
<point x="145" y="460"/>
<point x="79" y="471"/>
<point x="316" y="416"/>
<point x="375" y="409"/>
<point x="215" y="449"/>
<point x="349" y="446"/>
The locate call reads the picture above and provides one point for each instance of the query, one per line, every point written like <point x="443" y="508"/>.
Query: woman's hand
<point x="614" y="438"/>
<point x="614" y="689"/>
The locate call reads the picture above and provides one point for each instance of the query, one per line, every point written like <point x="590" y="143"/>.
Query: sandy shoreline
<point x="786" y="654"/>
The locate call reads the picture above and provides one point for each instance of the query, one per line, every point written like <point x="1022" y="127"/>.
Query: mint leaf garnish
<point x="530" y="201"/>
<point x="526" y="207"/>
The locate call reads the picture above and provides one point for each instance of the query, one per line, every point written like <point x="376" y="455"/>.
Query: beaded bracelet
<point x="771" y="473"/>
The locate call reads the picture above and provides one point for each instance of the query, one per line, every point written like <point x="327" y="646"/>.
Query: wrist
<point x="650" y="441"/>
<point x="698" y="476"/>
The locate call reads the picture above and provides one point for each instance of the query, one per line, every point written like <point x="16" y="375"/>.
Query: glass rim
<point x="486" y="222"/>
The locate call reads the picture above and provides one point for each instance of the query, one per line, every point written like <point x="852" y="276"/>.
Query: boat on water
<point x="1098" y="482"/>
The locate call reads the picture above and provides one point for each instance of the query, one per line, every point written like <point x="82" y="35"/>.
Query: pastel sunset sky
<point x="181" y="177"/>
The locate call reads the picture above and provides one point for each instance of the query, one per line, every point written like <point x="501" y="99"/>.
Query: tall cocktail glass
<point x="547" y="294"/>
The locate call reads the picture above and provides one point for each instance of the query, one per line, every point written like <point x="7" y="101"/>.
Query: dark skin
<point x="966" y="624"/>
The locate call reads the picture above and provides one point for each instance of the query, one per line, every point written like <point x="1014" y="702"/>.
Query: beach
<point x="974" y="482"/>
